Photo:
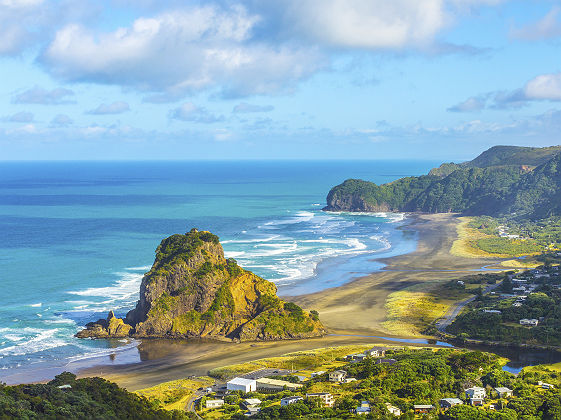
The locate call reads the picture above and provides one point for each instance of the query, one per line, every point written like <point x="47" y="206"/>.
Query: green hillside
<point x="504" y="180"/>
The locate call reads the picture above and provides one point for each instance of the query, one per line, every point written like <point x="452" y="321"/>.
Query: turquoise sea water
<point x="76" y="237"/>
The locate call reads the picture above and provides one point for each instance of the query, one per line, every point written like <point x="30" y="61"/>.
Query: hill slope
<point x="502" y="180"/>
<point x="193" y="291"/>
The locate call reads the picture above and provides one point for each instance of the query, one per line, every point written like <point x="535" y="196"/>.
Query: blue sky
<point x="277" y="79"/>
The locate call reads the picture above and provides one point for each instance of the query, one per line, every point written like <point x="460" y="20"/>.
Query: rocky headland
<point x="192" y="290"/>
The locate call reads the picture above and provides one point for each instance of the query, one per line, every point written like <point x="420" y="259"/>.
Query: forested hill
<point x="504" y="180"/>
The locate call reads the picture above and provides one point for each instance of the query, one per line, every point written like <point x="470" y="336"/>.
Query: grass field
<point x="411" y="310"/>
<point x="474" y="243"/>
<point x="174" y="395"/>
<point x="305" y="362"/>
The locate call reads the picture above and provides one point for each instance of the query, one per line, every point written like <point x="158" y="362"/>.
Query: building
<point x="503" y="392"/>
<point x="337" y="376"/>
<point x="545" y="385"/>
<point x="449" y="402"/>
<point x="275" y="385"/>
<point x="214" y="403"/>
<point x="529" y="322"/>
<point x="393" y="410"/>
<point x="67" y="386"/>
<point x="423" y="408"/>
<point x="475" y="392"/>
<point x="347" y="380"/>
<point x="251" y="411"/>
<point x="356" y="356"/>
<point x="318" y="373"/>
<point x="363" y="408"/>
<point x="290" y="400"/>
<point x="376" y="352"/>
<point x="388" y="361"/>
<point x="325" y="398"/>
<point x="241" y="384"/>
<point x="491" y="311"/>
<point x="251" y="402"/>
<point x="476" y="402"/>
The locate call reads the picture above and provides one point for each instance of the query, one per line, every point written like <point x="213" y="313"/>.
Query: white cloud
<point x="38" y="95"/>
<point x="547" y="27"/>
<point x="190" y="112"/>
<point x="179" y="52"/>
<point x="114" y="108"/>
<point x="472" y="104"/>
<point x="545" y="86"/>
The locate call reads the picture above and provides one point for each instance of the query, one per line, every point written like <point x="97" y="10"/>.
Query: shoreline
<point x="353" y="313"/>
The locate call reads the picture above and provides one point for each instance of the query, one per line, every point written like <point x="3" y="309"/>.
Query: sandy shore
<point x="353" y="313"/>
<point x="359" y="305"/>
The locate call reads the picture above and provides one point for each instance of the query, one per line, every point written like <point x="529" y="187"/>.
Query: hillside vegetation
<point x="524" y="182"/>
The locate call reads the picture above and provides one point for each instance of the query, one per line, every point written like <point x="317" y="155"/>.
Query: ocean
<point x="76" y="237"/>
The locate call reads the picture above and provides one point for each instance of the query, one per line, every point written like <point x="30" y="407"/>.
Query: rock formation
<point x="193" y="291"/>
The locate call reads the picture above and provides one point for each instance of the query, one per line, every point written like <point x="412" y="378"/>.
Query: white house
<point x="290" y="400"/>
<point x="318" y="373"/>
<point x="503" y="392"/>
<point x="337" y="376"/>
<point x="376" y="352"/>
<point x="214" y="403"/>
<point x="449" y="402"/>
<point x="545" y="385"/>
<point x="393" y="410"/>
<point x="251" y="402"/>
<point x="241" y="384"/>
<point x="325" y="398"/>
<point x="529" y="322"/>
<point x="475" y="392"/>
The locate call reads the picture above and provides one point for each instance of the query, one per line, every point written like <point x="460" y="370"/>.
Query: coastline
<point x="353" y="313"/>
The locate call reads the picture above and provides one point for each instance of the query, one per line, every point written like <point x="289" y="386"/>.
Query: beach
<point x="353" y="313"/>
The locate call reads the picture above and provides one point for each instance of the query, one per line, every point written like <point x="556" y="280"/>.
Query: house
<point x="64" y="386"/>
<point x="449" y="402"/>
<point x="242" y="384"/>
<point x="529" y="322"/>
<point x="290" y="400"/>
<point x="214" y="403"/>
<point x="251" y="402"/>
<point x="476" y="402"/>
<point x="348" y="380"/>
<point x="393" y="410"/>
<point x="475" y="392"/>
<point x="491" y="311"/>
<point x="517" y="304"/>
<point x="503" y="392"/>
<point x="388" y="361"/>
<point x="356" y="356"/>
<point x="423" y="408"/>
<point x="376" y="352"/>
<point x="275" y="385"/>
<point x="325" y="398"/>
<point x="252" y="411"/>
<point x="318" y="373"/>
<point x="545" y="385"/>
<point x="461" y="283"/>
<point x="363" y="408"/>
<point x="337" y="376"/>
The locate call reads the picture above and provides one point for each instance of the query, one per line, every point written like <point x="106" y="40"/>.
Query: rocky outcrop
<point x="193" y="291"/>
<point x="112" y="327"/>
<point x="354" y="202"/>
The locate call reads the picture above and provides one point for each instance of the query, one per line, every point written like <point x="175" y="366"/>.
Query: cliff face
<point x="193" y="291"/>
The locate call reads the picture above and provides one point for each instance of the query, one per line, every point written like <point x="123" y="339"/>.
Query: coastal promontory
<point x="192" y="290"/>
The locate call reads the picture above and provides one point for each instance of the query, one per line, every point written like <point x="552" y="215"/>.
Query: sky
<point x="277" y="79"/>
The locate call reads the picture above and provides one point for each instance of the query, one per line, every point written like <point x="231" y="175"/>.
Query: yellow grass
<point x="520" y="264"/>
<point x="305" y="362"/>
<point x="174" y="395"/>
<point x="411" y="310"/>
<point x="556" y="367"/>
<point x="465" y="246"/>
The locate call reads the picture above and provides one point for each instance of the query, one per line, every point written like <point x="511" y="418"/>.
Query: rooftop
<point x="241" y="381"/>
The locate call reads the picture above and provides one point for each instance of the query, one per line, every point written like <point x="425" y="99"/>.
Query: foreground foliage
<point x="88" y="398"/>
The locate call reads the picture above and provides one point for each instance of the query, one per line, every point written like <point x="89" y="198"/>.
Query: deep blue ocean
<point x="76" y="237"/>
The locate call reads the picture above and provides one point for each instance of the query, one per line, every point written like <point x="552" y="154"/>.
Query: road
<point x="443" y="323"/>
